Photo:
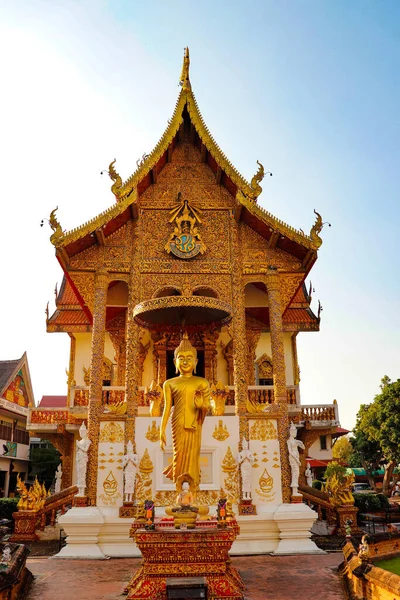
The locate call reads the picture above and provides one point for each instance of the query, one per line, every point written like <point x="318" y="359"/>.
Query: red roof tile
<point x="69" y="317"/>
<point x="53" y="402"/>
<point x="66" y="295"/>
<point x="299" y="315"/>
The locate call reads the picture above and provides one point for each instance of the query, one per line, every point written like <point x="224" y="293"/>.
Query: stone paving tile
<point x="304" y="577"/>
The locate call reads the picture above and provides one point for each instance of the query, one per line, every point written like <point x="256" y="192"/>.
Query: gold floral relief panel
<point x="85" y="285"/>
<point x="289" y="284"/>
<point x="190" y="176"/>
<point x="257" y="254"/>
<point x="118" y="237"/>
<point x="90" y="258"/>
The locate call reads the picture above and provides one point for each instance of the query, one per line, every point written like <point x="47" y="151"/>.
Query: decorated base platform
<point x="185" y="553"/>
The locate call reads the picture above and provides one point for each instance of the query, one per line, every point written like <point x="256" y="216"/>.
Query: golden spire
<point x="184" y="80"/>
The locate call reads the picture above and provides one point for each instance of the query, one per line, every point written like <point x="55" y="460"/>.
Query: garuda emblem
<point x="185" y="241"/>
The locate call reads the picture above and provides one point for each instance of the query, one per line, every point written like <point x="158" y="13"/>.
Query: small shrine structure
<point x="185" y="247"/>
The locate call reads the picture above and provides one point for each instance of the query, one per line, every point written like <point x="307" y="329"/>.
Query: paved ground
<point x="266" y="577"/>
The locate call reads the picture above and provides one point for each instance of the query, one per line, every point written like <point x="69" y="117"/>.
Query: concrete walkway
<point x="266" y="577"/>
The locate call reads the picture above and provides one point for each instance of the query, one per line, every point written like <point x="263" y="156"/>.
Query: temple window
<point x="205" y="291"/>
<point x="323" y="442"/>
<point x="167" y="291"/>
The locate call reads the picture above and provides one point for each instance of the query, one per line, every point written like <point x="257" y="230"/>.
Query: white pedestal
<point x="113" y="539"/>
<point x="294" y="522"/>
<point x="259" y="534"/>
<point x="82" y="526"/>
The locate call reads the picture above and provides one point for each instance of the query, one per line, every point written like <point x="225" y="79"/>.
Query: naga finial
<point x="255" y="182"/>
<point x="316" y="229"/>
<point x="116" y="186"/>
<point x="56" y="227"/>
<point x="184" y="80"/>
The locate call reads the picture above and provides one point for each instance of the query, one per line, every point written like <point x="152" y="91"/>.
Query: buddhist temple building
<point x="16" y="395"/>
<point x="184" y="247"/>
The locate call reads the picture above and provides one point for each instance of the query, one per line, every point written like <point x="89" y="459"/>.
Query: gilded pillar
<point x="63" y="442"/>
<point x="239" y="325"/>
<point x="279" y="371"/>
<point x="295" y="361"/>
<point x="276" y="328"/>
<point x="96" y="379"/>
<point x="71" y="366"/>
<point x="253" y="337"/>
<point x="133" y="371"/>
<point x="209" y="340"/>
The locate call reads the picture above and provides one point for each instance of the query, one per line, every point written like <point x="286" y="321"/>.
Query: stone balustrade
<point x="322" y="413"/>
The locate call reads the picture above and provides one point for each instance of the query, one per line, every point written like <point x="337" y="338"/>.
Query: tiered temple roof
<point x="276" y="232"/>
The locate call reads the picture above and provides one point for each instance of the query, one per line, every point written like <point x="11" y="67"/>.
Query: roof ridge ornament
<point x="56" y="227"/>
<point x="116" y="178"/>
<point x="185" y="80"/>
<point x="316" y="229"/>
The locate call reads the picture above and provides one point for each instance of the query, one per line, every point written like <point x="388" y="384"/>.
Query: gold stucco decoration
<point x="220" y="432"/>
<point x="111" y="432"/>
<point x="231" y="483"/>
<point x="143" y="478"/>
<point x="219" y="395"/>
<point x="266" y="484"/>
<point x="185" y="241"/>
<point x="263" y="430"/>
<point x="110" y="484"/>
<point x="153" y="432"/>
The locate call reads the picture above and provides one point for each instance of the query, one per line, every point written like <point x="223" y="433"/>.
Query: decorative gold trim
<point x="220" y="432"/>
<point x="263" y="430"/>
<point x="180" y="302"/>
<point x="112" y="433"/>
<point x="143" y="478"/>
<point x="153" y="432"/>
<point x="78" y="232"/>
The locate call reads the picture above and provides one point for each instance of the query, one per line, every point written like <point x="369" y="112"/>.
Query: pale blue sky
<point x="311" y="89"/>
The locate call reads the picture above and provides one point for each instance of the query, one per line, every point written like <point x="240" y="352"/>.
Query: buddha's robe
<point x="186" y="424"/>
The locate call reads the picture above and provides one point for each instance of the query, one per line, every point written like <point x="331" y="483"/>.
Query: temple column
<point x="239" y="331"/>
<point x="253" y="337"/>
<point x="279" y="374"/>
<point x="133" y="369"/>
<point x="276" y="328"/>
<point x="71" y="367"/>
<point x="209" y="340"/>
<point x="95" y="408"/>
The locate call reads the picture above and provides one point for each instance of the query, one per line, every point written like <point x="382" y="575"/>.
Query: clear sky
<point x="309" y="88"/>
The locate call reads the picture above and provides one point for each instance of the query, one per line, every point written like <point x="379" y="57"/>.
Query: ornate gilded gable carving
<point x="118" y="237"/>
<point x="85" y="285"/>
<point x="257" y="255"/>
<point x="265" y="368"/>
<point x="289" y="283"/>
<point x="185" y="241"/>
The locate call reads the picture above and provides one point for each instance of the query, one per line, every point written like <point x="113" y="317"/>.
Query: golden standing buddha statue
<point x="190" y="397"/>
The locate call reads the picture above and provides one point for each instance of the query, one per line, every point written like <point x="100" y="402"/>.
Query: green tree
<point x="342" y="449"/>
<point x="367" y="453"/>
<point x="44" y="462"/>
<point x="380" y="421"/>
<point x="335" y="468"/>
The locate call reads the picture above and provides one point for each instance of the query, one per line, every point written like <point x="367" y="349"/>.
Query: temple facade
<point x="184" y="247"/>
